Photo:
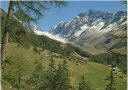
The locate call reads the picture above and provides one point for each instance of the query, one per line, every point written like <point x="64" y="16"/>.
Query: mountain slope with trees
<point x="31" y="63"/>
<point x="37" y="62"/>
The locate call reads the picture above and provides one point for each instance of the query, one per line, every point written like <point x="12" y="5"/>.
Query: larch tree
<point x="110" y="86"/>
<point x="26" y="12"/>
<point x="49" y="83"/>
<point x="16" y="74"/>
<point x="37" y="78"/>
<point x="62" y="77"/>
<point x="83" y="84"/>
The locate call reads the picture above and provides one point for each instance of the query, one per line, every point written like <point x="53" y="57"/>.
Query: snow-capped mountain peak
<point x="90" y="25"/>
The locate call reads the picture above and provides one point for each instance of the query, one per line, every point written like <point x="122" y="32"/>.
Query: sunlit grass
<point x="95" y="73"/>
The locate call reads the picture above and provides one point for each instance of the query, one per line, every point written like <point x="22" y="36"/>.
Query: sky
<point x="73" y="8"/>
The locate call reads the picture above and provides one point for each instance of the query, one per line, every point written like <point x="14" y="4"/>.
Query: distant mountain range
<point x="94" y="30"/>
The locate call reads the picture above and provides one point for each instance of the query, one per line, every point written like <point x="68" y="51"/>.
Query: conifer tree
<point x="16" y="74"/>
<point x="62" y="77"/>
<point x="37" y="78"/>
<point x="57" y="78"/>
<point x="26" y="12"/>
<point x="49" y="84"/>
<point x="110" y="86"/>
<point x="83" y="84"/>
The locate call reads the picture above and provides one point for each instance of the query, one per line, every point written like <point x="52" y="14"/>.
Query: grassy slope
<point x="95" y="73"/>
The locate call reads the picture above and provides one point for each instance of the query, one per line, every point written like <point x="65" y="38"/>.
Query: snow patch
<point x="109" y="28"/>
<point x="124" y="23"/>
<point x="100" y="25"/>
<point x="77" y="34"/>
<point x="55" y="26"/>
<point x="68" y="23"/>
<point x="83" y="28"/>
<point x="77" y="17"/>
<point x="61" y="21"/>
<point x="55" y="37"/>
<point x="97" y="27"/>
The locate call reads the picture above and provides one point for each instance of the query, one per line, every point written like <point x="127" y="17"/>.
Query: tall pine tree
<point x="26" y="12"/>
<point x="37" y="78"/>
<point x="49" y="83"/>
<point x="62" y="77"/>
<point x="110" y="86"/>
<point x="83" y="84"/>
<point x="17" y="72"/>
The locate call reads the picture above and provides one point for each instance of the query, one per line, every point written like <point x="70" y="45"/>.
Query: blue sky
<point x="54" y="15"/>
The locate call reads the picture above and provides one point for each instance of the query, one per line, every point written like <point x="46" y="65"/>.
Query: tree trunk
<point x="19" y="80"/>
<point x="4" y="39"/>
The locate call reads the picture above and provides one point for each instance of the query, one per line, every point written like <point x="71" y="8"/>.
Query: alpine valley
<point x="86" y="53"/>
<point x="101" y="35"/>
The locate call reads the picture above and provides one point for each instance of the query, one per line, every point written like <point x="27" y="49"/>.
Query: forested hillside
<point x="36" y="62"/>
<point x="26" y="38"/>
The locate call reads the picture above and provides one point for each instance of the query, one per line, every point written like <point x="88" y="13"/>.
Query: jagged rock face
<point x="91" y="29"/>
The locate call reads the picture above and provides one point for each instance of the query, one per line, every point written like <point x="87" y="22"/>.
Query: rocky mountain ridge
<point x="93" y="29"/>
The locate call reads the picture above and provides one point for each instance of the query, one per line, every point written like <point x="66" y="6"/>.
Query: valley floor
<point x="95" y="74"/>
